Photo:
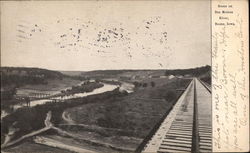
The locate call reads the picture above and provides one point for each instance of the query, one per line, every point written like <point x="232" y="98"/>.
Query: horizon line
<point x="104" y="69"/>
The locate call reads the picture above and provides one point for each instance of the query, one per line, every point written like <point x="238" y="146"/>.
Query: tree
<point x="136" y="84"/>
<point x="153" y="84"/>
<point x="63" y="91"/>
<point x="170" y="95"/>
<point x="27" y="100"/>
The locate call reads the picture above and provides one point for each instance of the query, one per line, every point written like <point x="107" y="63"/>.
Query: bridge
<point x="188" y="126"/>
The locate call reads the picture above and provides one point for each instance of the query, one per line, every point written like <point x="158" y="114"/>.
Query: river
<point x="106" y="87"/>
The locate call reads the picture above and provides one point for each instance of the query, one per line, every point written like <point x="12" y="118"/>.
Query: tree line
<point x="193" y="71"/>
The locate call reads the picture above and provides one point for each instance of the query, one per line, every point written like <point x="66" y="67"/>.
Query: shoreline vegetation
<point x="87" y="86"/>
<point x="112" y="117"/>
<point x="131" y="116"/>
<point x="19" y="82"/>
<point x="27" y="119"/>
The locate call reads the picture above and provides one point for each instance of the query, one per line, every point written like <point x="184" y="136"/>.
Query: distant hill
<point x="109" y="73"/>
<point x="19" y="76"/>
<point x="121" y="73"/>
<point x="72" y="73"/>
<point x="106" y="72"/>
<point x="23" y="76"/>
<point x="196" y="72"/>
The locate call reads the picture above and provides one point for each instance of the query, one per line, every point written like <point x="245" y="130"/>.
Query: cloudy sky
<point x="84" y="35"/>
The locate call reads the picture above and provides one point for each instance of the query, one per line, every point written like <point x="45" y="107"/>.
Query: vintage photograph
<point x="106" y="76"/>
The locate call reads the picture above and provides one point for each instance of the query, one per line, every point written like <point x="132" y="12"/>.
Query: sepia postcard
<point x="121" y="76"/>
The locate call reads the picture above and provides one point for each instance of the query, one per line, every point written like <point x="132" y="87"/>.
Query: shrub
<point x="153" y="84"/>
<point x="170" y="95"/>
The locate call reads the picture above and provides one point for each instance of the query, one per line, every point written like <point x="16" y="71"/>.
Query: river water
<point x="106" y="87"/>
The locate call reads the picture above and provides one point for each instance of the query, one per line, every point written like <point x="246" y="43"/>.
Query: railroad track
<point x="188" y="127"/>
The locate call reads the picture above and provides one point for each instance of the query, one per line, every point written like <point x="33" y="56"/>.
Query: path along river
<point x="107" y="87"/>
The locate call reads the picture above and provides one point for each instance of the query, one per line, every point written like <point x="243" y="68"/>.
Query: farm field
<point x="116" y="120"/>
<point x="31" y="147"/>
<point x="54" y="86"/>
<point x="124" y="121"/>
<point x="108" y="77"/>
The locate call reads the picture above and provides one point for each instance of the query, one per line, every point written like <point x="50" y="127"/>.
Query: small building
<point x="179" y="76"/>
<point x="187" y="75"/>
<point x="155" y="76"/>
<point x="163" y="76"/>
<point x="171" y="77"/>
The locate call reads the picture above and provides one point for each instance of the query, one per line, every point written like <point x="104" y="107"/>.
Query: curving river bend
<point x="106" y="87"/>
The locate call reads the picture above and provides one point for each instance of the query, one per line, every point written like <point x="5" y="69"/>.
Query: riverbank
<point x="31" y="118"/>
<point x="103" y="120"/>
<point x="53" y="86"/>
<point x="80" y="90"/>
<point x="123" y="122"/>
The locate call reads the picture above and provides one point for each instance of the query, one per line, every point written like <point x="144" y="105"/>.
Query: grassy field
<point x="30" y="147"/>
<point x="125" y="121"/>
<point x="30" y="119"/>
<point x="206" y="78"/>
<point x="108" y="122"/>
<point x="54" y="86"/>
